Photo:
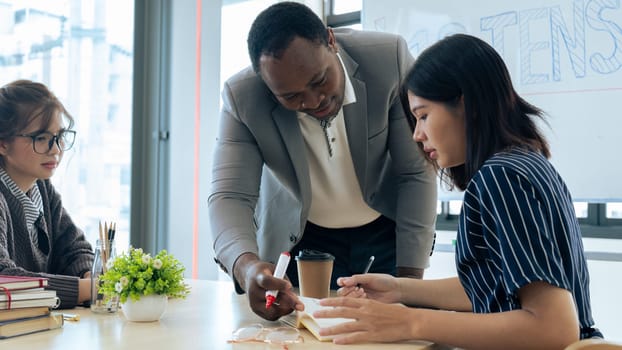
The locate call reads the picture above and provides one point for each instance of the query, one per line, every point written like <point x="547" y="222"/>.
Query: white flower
<point x="157" y="264"/>
<point x="118" y="287"/>
<point x="124" y="281"/>
<point x="146" y="259"/>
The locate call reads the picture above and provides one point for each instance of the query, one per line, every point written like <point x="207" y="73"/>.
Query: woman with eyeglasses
<point x="37" y="236"/>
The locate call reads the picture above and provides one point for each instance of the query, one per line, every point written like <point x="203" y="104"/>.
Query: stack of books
<point x="25" y="306"/>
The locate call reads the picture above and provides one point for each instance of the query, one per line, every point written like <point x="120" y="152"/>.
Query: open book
<point x="305" y="319"/>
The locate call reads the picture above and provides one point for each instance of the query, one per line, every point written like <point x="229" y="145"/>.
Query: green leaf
<point x="145" y="275"/>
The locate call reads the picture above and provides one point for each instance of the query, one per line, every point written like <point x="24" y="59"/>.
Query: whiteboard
<point x="564" y="57"/>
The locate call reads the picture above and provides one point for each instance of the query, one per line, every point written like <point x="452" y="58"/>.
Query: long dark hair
<point x="23" y="101"/>
<point x="496" y="117"/>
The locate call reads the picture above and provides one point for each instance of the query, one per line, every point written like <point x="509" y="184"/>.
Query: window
<point x="344" y="13"/>
<point x="581" y="209"/>
<point x="237" y="18"/>
<point x="614" y="210"/>
<point x="82" y="50"/>
<point x="340" y="7"/>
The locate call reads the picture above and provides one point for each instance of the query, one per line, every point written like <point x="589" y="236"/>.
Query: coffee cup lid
<point x="314" y="255"/>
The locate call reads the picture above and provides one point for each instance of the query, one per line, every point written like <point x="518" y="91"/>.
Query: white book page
<point x="312" y="305"/>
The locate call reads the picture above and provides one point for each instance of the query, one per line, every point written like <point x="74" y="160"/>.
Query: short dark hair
<point x="23" y="101"/>
<point x="275" y="28"/>
<point x="497" y="118"/>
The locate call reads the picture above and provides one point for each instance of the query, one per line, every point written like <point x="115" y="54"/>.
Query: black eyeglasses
<point x="42" y="142"/>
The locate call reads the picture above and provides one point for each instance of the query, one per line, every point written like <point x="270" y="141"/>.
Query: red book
<point x="21" y="282"/>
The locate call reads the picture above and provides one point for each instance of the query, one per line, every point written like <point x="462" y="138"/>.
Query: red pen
<point x="279" y="272"/>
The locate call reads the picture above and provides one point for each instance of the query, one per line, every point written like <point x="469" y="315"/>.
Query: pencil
<point x="366" y="269"/>
<point x="371" y="260"/>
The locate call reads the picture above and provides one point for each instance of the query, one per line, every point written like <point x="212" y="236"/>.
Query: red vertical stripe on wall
<point x="197" y="139"/>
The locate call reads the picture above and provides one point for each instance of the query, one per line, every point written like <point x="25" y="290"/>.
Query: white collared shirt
<point x="336" y="197"/>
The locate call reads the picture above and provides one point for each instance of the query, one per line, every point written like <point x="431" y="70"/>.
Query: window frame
<point x="595" y="225"/>
<point x="342" y="19"/>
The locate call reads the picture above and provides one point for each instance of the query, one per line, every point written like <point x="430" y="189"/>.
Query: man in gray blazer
<point x="314" y="152"/>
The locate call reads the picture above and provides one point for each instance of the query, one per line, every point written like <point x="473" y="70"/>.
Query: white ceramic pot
<point x="146" y="309"/>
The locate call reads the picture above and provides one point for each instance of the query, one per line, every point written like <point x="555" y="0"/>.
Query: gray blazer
<point x="261" y="193"/>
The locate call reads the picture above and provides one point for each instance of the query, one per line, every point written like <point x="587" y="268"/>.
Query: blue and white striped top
<point x="518" y="226"/>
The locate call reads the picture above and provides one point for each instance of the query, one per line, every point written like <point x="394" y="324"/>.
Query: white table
<point x="204" y="320"/>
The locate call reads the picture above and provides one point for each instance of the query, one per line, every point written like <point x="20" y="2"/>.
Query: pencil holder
<point x="101" y="303"/>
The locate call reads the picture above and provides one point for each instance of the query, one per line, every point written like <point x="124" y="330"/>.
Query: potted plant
<point x="144" y="283"/>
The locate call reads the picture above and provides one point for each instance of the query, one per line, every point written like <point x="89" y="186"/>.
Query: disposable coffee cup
<point x="315" y="269"/>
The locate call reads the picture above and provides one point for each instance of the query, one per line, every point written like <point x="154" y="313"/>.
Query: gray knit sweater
<point x="63" y="254"/>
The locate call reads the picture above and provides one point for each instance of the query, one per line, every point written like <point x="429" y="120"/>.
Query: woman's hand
<point x="380" y="287"/>
<point x="373" y="321"/>
<point x="84" y="288"/>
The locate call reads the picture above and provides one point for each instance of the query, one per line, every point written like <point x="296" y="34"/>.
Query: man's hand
<point x="410" y="272"/>
<point x="256" y="277"/>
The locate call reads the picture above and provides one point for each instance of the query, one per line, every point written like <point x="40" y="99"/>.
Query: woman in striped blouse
<point x="37" y="236"/>
<point x="522" y="278"/>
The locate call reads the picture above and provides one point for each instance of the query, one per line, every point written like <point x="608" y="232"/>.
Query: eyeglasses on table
<point x="281" y="336"/>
